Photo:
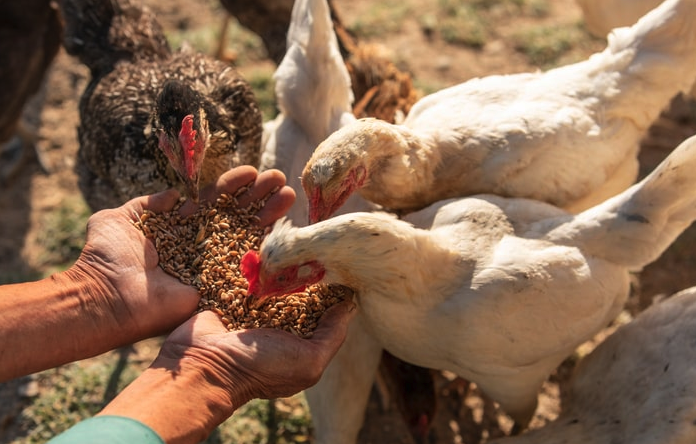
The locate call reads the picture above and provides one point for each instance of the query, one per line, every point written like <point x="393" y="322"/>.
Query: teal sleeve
<point x="108" y="430"/>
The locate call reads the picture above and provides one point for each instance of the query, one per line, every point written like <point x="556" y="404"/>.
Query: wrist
<point x="53" y="321"/>
<point x="180" y="399"/>
<point x="101" y="304"/>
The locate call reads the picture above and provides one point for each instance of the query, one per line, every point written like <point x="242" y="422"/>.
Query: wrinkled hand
<point x="256" y="363"/>
<point x="124" y="263"/>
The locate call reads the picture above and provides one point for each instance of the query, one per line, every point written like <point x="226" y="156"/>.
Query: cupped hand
<point x="124" y="264"/>
<point x="256" y="363"/>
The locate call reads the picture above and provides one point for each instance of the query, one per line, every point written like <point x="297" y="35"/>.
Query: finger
<point x="207" y="323"/>
<point x="200" y="324"/>
<point x="333" y="326"/>
<point x="267" y="182"/>
<point x="276" y="206"/>
<point x="231" y="181"/>
<point x="157" y="203"/>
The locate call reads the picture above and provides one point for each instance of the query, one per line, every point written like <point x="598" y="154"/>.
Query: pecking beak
<point x="191" y="188"/>
<point x="319" y="210"/>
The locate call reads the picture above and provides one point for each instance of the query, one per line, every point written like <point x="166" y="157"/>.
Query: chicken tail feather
<point x="635" y="227"/>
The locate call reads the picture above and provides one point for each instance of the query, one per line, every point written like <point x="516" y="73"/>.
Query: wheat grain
<point x="204" y="250"/>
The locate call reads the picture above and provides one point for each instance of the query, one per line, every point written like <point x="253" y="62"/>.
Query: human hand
<point x="261" y="362"/>
<point x="123" y="264"/>
<point x="203" y="372"/>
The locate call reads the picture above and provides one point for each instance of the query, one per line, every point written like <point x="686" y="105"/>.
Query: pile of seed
<point x="204" y="250"/>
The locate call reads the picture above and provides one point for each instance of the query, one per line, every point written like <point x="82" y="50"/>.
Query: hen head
<point x="329" y="183"/>
<point x="183" y="135"/>
<point x="264" y="283"/>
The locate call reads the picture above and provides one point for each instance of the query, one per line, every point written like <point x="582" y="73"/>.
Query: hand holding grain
<point x="257" y="363"/>
<point x="124" y="264"/>
<point x="204" y="372"/>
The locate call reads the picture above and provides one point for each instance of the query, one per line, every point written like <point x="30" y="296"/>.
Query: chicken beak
<point x="191" y="188"/>
<point x="319" y="210"/>
<point x="193" y="193"/>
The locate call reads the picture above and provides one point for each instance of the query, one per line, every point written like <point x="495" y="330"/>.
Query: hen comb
<point x="187" y="139"/>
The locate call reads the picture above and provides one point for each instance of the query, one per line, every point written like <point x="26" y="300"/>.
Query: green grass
<point x="476" y="22"/>
<point x="13" y="277"/>
<point x="71" y="393"/>
<point x="551" y="46"/>
<point x="543" y="46"/>
<point x="245" y="44"/>
<point x="261" y="81"/>
<point x="280" y="421"/>
<point x="77" y="391"/>
<point x="63" y="233"/>
<point x="462" y="24"/>
<point x="382" y="18"/>
<point x="473" y="23"/>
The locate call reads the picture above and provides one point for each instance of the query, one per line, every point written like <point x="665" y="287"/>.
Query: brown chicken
<point x="380" y="88"/>
<point x="150" y="118"/>
<point x="30" y="33"/>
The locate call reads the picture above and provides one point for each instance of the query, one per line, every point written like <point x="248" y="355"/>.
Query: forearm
<point x="181" y="402"/>
<point x="53" y="321"/>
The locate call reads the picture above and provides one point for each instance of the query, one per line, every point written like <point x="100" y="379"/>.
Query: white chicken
<point x="314" y="97"/>
<point x="497" y="290"/>
<point x="638" y="386"/>
<point x="569" y="136"/>
<point x="602" y="16"/>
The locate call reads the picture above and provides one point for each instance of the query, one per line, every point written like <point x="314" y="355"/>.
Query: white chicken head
<point x="267" y="277"/>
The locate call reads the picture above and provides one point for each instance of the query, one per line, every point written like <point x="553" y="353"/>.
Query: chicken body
<point x="569" y="136"/>
<point x="121" y="112"/>
<point x="602" y="16"/>
<point x="497" y="290"/>
<point x="638" y="386"/>
<point x="314" y="97"/>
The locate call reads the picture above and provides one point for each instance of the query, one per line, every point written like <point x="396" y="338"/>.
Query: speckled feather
<point x="118" y="158"/>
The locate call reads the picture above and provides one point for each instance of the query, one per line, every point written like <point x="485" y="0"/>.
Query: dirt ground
<point x="27" y="201"/>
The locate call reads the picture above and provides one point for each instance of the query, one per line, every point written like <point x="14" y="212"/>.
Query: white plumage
<point x="569" y="136"/>
<point x="638" y="386"/>
<point x="602" y="16"/>
<point x="497" y="290"/>
<point x="314" y="97"/>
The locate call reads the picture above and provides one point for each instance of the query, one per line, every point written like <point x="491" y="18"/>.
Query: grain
<point x="204" y="250"/>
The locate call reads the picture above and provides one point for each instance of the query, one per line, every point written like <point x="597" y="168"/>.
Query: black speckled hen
<point x="151" y="118"/>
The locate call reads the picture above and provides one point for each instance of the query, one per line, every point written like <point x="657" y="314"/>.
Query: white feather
<point x="497" y="290"/>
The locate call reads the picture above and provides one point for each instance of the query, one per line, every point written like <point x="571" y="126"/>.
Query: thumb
<point x="333" y="326"/>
